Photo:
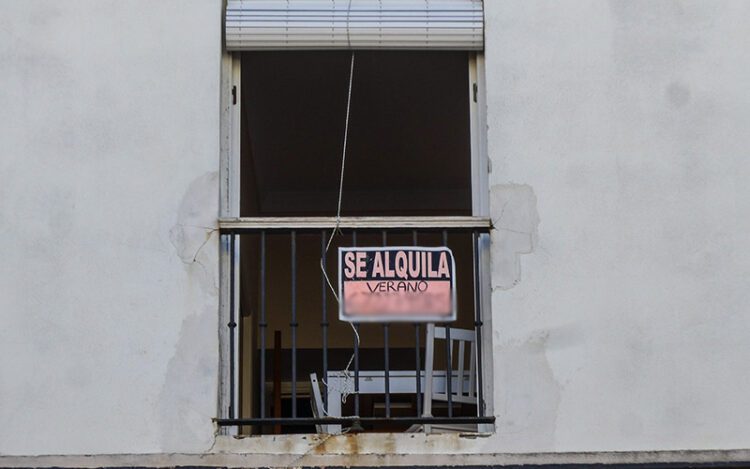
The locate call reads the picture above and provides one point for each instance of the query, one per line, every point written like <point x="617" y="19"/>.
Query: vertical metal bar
<point x="472" y="368"/>
<point x="277" y="379"/>
<point x="356" y="374"/>
<point x="356" y="350"/>
<point x="478" y="321"/>
<point x="293" y="324"/>
<point x="232" y="325"/>
<point x="448" y="353"/>
<point x="460" y="362"/>
<point x="386" y="361"/>
<point x="387" y="373"/>
<point x="263" y="325"/>
<point x="449" y="369"/>
<point x="418" y="364"/>
<point x="324" y="313"/>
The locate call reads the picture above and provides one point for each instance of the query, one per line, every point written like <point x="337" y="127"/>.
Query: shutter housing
<point x="368" y="24"/>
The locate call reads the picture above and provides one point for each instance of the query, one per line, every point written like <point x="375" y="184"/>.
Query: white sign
<point x="386" y="284"/>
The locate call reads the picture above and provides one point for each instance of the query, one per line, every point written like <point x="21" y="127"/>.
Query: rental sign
<point x="384" y="284"/>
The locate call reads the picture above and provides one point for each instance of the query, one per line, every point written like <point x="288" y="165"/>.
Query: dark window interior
<point x="408" y="154"/>
<point x="409" y="142"/>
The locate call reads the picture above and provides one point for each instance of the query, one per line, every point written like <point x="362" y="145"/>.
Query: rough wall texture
<point x="618" y="137"/>
<point x="109" y="134"/>
<point x="618" y="132"/>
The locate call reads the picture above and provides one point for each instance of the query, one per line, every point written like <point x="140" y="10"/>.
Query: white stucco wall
<point x="109" y="137"/>
<point x="618" y="137"/>
<point x="626" y="123"/>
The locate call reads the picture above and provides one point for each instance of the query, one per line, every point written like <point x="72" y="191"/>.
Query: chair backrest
<point x="463" y="381"/>
<point x="316" y="402"/>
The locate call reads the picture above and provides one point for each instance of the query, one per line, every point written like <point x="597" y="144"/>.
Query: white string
<point x="347" y="374"/>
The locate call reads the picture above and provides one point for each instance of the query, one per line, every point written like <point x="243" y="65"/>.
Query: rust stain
<point x="389" y="445"/>
<point x="338" y="444"/>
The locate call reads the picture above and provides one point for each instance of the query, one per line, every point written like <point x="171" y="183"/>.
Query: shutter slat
<point x="369" y="24"/>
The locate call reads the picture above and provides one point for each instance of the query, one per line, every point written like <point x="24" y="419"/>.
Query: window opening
<point x="408" y="172"/>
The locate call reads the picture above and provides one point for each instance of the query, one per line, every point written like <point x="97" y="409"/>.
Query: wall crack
<point x="513" y="209"/>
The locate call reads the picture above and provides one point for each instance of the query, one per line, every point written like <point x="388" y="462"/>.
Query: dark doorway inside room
<point x="408" y="154"/>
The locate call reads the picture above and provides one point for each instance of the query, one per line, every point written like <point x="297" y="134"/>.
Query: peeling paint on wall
<point x="515" y="221"/>
<point x="196" y="229"/>
<point x="528" y="412"/>
<point x="625" y="331"/>
<point x="191" y="378"/>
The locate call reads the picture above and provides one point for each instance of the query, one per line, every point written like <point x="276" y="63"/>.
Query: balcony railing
<point x="417" y="230"/>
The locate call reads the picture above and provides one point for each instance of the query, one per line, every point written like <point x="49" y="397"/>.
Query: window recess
<point x="408" y="182"/>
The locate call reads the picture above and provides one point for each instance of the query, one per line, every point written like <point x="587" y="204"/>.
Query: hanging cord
<point x="347" y="374"/>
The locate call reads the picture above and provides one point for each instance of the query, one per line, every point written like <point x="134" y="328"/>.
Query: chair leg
<point x="429" y="358"/>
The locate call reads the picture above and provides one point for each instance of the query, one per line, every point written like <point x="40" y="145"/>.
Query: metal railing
<point x="350" y="227"/>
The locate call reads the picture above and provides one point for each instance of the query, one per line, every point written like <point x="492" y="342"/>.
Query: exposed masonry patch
<point x="515" y="221"/>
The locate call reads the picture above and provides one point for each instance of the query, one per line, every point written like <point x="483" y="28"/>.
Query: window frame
<point x="229" y="207"/>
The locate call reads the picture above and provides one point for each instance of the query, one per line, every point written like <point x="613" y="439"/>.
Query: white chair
<point x="463" y="382"/>
<point x="316" y="402"/>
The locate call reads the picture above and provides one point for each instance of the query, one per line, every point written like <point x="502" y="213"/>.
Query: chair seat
<point x="444" y="428"/>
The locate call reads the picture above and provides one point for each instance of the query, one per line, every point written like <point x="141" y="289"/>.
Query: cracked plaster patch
<point x="515" y="223"/>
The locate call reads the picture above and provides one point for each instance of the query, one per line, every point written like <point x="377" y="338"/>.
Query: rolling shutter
<point x="354" y="24"/>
